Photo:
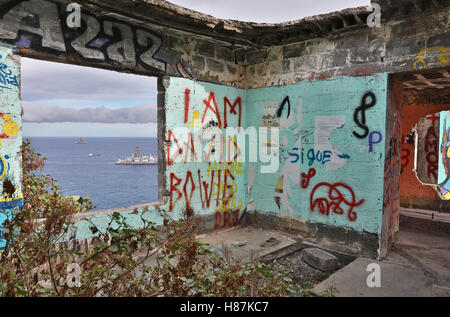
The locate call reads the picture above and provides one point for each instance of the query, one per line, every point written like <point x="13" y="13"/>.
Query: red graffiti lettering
<point x="237" y="102"/>
<point x="214" y="109"/>
<point x="186" y="105"/>
<point x="431" y="148"/>
<point x="207" y="199"/>
<point x="188" y="197"/>
<point x="189" y="146"/>
<point x="225" y="192"/>
<point x="307" y="177"/>
<point x="405" y="157"/>
<point x="334" y="200"/>
<point x="226" y="186"/>
<point x="174" y="188"/>
<point x="168" y="145"/>
<point x="433" y="118"/>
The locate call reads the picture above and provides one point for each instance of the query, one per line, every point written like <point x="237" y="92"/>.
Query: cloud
<point x="43" y="80"/>
<point x="43" y="113"/>
<point x="86" y="129"/>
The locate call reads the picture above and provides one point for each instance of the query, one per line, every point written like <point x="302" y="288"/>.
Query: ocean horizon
<point x="96" y="176"/>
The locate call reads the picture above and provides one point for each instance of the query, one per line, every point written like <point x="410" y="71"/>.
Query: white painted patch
<point x="291" y="171"/>
<point x="324" y="125"/>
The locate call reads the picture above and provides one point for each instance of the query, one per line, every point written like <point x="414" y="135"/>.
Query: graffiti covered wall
<point x="10" y="136"/>
<point x="202" y="175"/>
<point x="424" y="114"/>
<point x="331" y="150"/>
<point x="41" y="29"/>
<point x="324" y="165"/>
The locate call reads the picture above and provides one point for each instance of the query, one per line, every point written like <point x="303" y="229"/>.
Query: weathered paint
<point x="322" y="118"/>
<point x="426" y="156"/>
<point x="10" y="135"/>
<point x="392" y="166"/>
<point x="410" y="187"/>
<point x="214" y="187"/>
<point x="218" y="189"/>
<point x="39" y="28"/>
<point x="444" y="155"/>
<point x="348" y="134"/>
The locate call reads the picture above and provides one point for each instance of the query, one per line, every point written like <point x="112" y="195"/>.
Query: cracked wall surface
<point x="10" y="136"/>
<point x="322" y="81"/>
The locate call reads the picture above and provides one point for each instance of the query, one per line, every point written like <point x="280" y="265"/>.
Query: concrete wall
<point x="407" y="44"/>
<point x="392" y="167"/>
<point x="198" y="178"/>
<point x="10" y="135"/>
<point x="412" y="191"/>
<point x="329" y="95"/>
<point x="331" y="151"/>
<point x="422" y="109"/>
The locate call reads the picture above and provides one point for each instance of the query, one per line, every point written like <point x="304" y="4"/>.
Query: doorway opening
<point x="419" y="223"/>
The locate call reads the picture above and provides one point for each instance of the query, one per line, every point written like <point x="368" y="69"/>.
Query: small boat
<point x="93" y="154"/>
<point x="81" y="141"/>
<point x="138" y="159"/>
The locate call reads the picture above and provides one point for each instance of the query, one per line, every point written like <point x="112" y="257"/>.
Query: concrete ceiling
<point x="438" y="79"/>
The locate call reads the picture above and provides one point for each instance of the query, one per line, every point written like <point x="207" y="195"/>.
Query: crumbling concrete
<point x="247" y="243"/>
<point x="417" y="266"/>
<point x="313" y="78"/>
<point x="320" y="259"/>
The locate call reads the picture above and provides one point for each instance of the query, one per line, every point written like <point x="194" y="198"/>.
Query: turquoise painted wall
<point x="321" y="123"/>
<point x="10" y="135"/>
<point x="318" y="118"/>
<point x="228" y="201"/>
<point x="196" y="117"/>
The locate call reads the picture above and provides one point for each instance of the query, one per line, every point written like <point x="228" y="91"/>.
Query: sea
<point x="97" y="177"/>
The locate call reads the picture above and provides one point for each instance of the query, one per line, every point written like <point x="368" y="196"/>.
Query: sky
<point x="76" y="101"/>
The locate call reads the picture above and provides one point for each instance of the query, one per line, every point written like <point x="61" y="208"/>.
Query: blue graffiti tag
<point x="311" y="156"/>
<point x="7" y="79"/>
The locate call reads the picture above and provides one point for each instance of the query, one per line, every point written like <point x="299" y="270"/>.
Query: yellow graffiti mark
<point x="226" y="204"/>
<point x="443" y="60"/>
<point x="195" y="121"/>
<point x="11" y="198"/>
<point x="10" y="128"/>
<point x="235" y="167"/>
<point x="218" y="189"/>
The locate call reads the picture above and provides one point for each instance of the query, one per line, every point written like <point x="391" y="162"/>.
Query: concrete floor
<point x="418" y="265"/>
<point x="242" y="244"/>
<point x="246" y="243"/>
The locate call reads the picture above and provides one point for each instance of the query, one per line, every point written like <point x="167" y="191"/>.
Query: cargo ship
<point x="81" y="141"/>
<point x="138" y="159"/>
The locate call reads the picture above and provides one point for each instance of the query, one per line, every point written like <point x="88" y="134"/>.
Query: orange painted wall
<point x="409" y="185"/>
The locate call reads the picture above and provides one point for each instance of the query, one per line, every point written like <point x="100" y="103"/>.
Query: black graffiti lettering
<point x="39" y="25"/>
<point x="80" y="43"/>
<point x="154" y="43"/>
<point x="37" y="17"/>
<point x="123" y="51"/>
<point x="280" y="109"/>
<point x="359" y="116"/>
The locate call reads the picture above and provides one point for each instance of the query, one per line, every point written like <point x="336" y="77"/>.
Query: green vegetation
<point x="163" y="260"/>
